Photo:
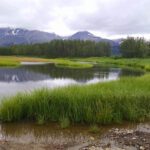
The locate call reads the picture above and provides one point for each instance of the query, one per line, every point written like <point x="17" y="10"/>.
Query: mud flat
<point x="27" y="136"/>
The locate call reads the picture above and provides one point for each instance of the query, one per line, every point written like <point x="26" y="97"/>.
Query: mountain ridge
<point x="16" y="36"/>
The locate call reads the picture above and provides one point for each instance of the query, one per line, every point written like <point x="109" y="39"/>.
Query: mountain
<point x="15" y="36"/>
<point x="84" y="35"/>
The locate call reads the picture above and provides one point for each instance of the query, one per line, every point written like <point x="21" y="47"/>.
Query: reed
<point x="127" y="99"/>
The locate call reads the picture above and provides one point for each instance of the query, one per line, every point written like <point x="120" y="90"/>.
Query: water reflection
<point x="29" y="77"/>
<point x="20" y="75"/>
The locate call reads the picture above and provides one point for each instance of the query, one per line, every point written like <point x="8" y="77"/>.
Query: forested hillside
<point x="60" y="48"/>
<point x="130" y="48"/>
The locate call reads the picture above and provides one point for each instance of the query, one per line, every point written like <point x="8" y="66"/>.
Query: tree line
<point x="135" y="47"/>
<point x="60" y="48"/>
<point x="130" y="47"/>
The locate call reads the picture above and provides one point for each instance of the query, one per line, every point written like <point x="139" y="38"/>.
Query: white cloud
<point x="105" y="17"/>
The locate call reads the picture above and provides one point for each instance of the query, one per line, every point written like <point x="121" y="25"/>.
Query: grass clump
<point x="64" y="123"/>
<point x="94" y="129"/>
<point x="40" y="120"/>
<point x="127" y="99"/>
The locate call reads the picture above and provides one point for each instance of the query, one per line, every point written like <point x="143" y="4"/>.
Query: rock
<point x="95" y="148"/>
<point x="142" y="148"/>
<point x="92" y="138"/>
<point x="129" y="131"/>
<point x="92" y="148"/>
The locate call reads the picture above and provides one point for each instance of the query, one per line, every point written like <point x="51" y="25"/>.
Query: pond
<point x="33" y="76"/>
<point x="30" y="135"/>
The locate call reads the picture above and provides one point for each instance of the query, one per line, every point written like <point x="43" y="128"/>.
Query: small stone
<point x="142" y="148"/>
<point x="129" y="131"/>
<point x="92" y="138"/>
<point x="92" y="148"/>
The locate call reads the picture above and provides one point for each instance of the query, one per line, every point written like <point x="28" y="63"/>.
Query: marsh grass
<point x="94" y="128"/>
<point x="8" y="61"/>
<point x="40" y="120"/>
<point x="64" y="122"/>
<point x="59" y="62"/>
<point x="15" y="61"/>
<point x="69" y="63"/>
<point x="127" y="99"/>
<point x="141" y="63"/>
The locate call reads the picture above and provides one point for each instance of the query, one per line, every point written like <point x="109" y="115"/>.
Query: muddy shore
<point x="121" y="138"/>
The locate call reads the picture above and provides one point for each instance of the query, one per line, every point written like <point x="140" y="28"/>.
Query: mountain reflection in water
<point x="29" y="77"/>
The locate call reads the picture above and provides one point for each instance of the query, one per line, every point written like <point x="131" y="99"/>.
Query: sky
<point x="105" y="18"/>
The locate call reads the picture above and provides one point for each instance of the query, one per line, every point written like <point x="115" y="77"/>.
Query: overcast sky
<point x="106" y="18"/>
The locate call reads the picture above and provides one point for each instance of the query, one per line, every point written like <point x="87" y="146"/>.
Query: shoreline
<point x="121" y="138"/>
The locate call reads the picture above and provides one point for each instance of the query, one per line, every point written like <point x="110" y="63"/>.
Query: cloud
<point x="111" y="17"/>
<point x="116" y="17"/>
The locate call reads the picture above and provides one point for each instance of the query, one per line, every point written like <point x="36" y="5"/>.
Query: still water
<point x="30" y="76"/>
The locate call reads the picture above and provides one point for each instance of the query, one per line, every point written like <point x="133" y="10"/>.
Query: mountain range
<point x="16" y="36"/>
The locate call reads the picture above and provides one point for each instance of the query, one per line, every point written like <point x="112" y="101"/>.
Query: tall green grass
<point x="127" y="99"/>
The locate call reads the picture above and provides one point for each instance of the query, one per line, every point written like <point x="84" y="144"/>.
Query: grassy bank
<point x="69" y="63"/>
<point x="8" y="61"/>
<point x="79" y="62"/>
<point x="127" y="99"/>
<point x="141" y="63"/>
<point x="15" y="61"/>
